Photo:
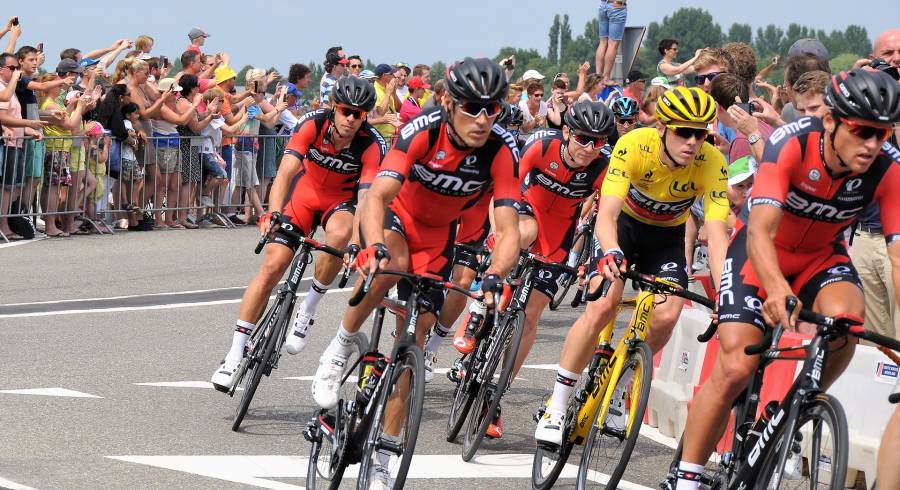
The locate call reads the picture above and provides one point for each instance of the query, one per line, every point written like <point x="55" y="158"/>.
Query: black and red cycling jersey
<point x="817" y="205"/>
<point x="553" y="192"/>
<point x="328" y="180"/>
<point x="441" y="180"/>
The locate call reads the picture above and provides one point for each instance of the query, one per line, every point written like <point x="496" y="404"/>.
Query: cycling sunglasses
<point x="584" y="140"/>
<point x="701" y="79"/>
<point x="474" y="109"/>
<point x="348" y="111"/>
<point x="686" y="133"/>
<point x="864" y="131"/>
<point x="625" y="121"/>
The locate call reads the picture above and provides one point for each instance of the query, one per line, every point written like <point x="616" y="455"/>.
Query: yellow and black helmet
<point x="686" y="107"/>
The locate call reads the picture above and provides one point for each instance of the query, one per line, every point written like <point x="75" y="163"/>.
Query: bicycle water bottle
<point x="760" y="424"/>
<point x="475" y="316"/>
<point x="372" y="374"/>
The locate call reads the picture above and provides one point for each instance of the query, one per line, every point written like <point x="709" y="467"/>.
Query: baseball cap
<point x="224" y="73"/>
<point x="382" y="69"/>
<point x="68" y="65"/>
<point x="168" y="83"/>
<point x="532" y="75"/>
<point x="403" y="66"/>
<point x="335" y="59"/>
<point x="86" y="62"/>
<point x="809" y="46"/>
<point x="367" y="75"/>
<point x="292" y="89"/>
<point x="635" y="76"/>
<point x="417" y="82"/>
<point x="195" y="33"/>
<point x="741" y="169"/>
<point x="661" y="82"/>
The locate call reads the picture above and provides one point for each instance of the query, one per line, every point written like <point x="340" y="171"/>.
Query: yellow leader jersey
<point x="655" y="195"/>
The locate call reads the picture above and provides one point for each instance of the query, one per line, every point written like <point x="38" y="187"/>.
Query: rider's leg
<point x="338" y="229"/>
<point x="709" y="410"/>
<point x="888" y="469"/>
<point x="836" y="299"/>
<point x="395" y="414"/>
<point x="665" y="316"/>
<point x="454" y="304"/>
<point x="256" y="296"/>
<point x="533" y="311"/>
<point x="528" y="231"/>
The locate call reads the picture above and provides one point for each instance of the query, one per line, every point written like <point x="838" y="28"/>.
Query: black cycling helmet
<point x="503" y="117"/>
<point x="871" y="96"/>
<point x="516" y="117"/>
<point x="625" y="107"/>
<point x="354" y="92"/>
<point x="590" y="117"/>
<point x="476" y="80"/>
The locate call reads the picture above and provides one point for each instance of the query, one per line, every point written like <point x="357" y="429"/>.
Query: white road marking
<point x="180" y="384"/>
<point x="654" y="435"/>
<point x="350" y="379"/>
<point x="11" y="485"/>
<point x="144" y="308"/>
<point x="50" y="392"/>
<point x="16" y="244"/>
<point x="254" y="470"/>
<point x="547" y="367"/>
<point x="173" y="293"/>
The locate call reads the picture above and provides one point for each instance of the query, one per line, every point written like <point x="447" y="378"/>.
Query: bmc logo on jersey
<point x="446" y="184"/>
<point x="789" y="129"/>
<point x="560" y="188"/>
<point x="817" y="210"/>
<point x="332" y="163"/>
<point x="418" y="123"/>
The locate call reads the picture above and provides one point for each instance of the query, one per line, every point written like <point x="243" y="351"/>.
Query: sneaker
<point x="327" y="383"/>
<point x="550" y="427"/>
<point x="223" y="378"/>
<point x="236" y="220"/>
<point x="380" y="477"/>
<point x="430" y="359"/>
<point x="297" y="339"/>
<point x="207" y="202"/>
<point x="495" y="429"/>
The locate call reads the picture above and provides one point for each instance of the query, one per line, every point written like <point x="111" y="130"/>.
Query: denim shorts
<point x="612" y="21"/>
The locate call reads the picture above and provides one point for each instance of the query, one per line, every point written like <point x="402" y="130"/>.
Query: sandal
<point x="14" y="237"/>
<point x="177" y="226"/>
<point x="189" y="225"/>
<point x="161" y="227"/>
<point x="60" y="234"/>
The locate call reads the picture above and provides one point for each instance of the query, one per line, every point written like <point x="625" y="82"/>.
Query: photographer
<point x="729" y="92"/>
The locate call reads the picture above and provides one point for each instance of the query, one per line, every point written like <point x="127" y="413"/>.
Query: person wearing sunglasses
<point x="560" y="169"/>
<point x="626" y="111"/>
<point x="442" y="161"/>
<point x="815" y="180"/>
<point x="654" y="176"/>
<point x="328" y="164"/>
<point x="354" y="65"/>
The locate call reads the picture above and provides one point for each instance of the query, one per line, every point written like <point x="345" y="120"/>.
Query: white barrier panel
<point x="863" y="391"/>
<point x="678" y="373"/>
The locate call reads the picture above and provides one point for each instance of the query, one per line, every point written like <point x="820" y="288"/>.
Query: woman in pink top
<point x="411" y="107"/>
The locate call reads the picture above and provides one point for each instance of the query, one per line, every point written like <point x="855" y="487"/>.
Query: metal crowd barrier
<point x="90" y="185"/>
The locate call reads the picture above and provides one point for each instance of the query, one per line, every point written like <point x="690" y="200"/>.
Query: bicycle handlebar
<point x="422" y="280"/>
<point x="654" y="284"/>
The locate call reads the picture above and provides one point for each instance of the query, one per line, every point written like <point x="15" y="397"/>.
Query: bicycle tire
<point x="564" y="288"/>
<point x="830" y="410"/>
<point x="409" y="361"/>
<point x="463" y="396"/>
<point x="558" y="455"/>
<point x="508" y="338"/>
<point x="640" y="360"/>
<point x="257" y="365"/>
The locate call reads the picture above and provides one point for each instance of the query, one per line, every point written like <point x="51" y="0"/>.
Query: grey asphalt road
<point x="108" y="344"/>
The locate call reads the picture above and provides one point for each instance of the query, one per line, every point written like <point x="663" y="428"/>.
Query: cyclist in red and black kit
<point x="560" y="170"/>
<point x="442" y="163"/>
<point x="331" y="158"/>
<point x="816" y="177"/>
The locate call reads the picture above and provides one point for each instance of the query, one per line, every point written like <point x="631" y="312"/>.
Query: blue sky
<point x="279" y="32"/>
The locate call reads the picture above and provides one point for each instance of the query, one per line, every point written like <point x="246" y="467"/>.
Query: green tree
<point x="242" y="75"/>
<point x="768" y="41"/>
<point x="693" y="28"/>
<point x="565" y="38"/>
<point x="553" y="51"/>
<point x="438" y="71"/>
<point x="856" y="40"/>
<point x="740" y="33"/>
<point x="843" y="62"/>
<point x="791" y="35"/>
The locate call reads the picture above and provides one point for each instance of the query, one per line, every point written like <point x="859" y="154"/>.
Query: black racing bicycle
<point x="800" y="442"/>
<point x="354" y="432"/>
<point x="263" y="349"/>
<point x="583" y="243"/>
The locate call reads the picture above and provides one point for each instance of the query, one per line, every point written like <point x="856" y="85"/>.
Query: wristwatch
<point x="753" y="138"/>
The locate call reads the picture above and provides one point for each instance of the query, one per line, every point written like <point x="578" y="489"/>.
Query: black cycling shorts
<point x="319" y="219"/>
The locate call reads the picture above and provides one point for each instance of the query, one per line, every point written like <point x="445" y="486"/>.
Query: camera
<point x="163" y="62"/>
<point x="508" y="63"/>
<point x="751" y="108"/>
<point x="15" y="21"/>
<point x="881" y="65"/>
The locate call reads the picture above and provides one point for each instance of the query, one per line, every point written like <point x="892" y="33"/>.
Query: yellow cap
<point x="224" y="73"/>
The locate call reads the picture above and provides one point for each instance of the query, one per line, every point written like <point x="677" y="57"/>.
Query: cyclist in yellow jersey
<point x="654" y="176"/>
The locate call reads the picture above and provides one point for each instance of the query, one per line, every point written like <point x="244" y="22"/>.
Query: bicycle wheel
<point x="463" y="396"/>
<point x="259" y="360"/>
<point x="611" y="441"/>
<point x="487" y="401"/>
<point x="568" y="279"/>
<point x="328" y="437"/>
<point x="818" y="452"/>
<point x="549" y="461"/>
<point x="407" y="377"/>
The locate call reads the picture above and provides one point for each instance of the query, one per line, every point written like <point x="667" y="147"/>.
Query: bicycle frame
<point x="597" y="387"/>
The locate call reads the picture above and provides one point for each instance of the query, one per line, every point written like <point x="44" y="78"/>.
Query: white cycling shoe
<point x="327" y="383"/>
<point x="380" y="477"/>
<point x="223" y="378"/>
<point x="297" y="339"/>
<point x="550" y="427"/>
<point x="430" y="360"/>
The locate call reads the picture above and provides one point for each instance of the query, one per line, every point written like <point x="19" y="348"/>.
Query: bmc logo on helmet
<point x="789" y="129"/>
<point x="446" y="184"/>
<point x="332" y="163"/>
<point x="820" y="211"/>
<point x="418" y="123"/>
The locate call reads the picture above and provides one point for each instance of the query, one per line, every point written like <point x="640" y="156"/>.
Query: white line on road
<point x="254" y="470"/>
<point x="144" y="308"/>
<point x="50" y="392"/>
<point x="11" y="485"/>
<point x="173" y="293"/>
